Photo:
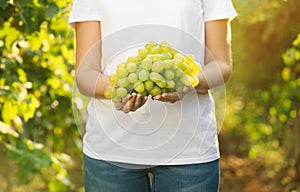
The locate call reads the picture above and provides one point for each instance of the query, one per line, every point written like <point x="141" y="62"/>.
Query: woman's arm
<point x="90" y="81"/>
<point x="218" y="63"/>
<point x="218" y="68"/>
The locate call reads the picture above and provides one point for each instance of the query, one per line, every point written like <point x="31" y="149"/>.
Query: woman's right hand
<point x="131" y="103"/>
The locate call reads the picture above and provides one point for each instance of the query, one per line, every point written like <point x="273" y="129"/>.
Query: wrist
<point x="202" y="87"/>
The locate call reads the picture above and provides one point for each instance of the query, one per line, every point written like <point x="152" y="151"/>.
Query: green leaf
<point x="35" y="42"/>
<point x="296" y="43"/>
<point x="9" y="111"/>
<point x="51" y="10"/>
<point x="22" y="75"/>
<point x="11" y="36"/>
<point x="27" y="109"/>
<point x="286" y="72"/>
<point x="54" y="83"/>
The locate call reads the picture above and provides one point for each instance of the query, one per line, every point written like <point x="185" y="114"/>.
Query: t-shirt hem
<point x="219" y="17"/>
<point x="90" y="15"/>
<point x="72" y="22"/>
<point x="146" y="162"/>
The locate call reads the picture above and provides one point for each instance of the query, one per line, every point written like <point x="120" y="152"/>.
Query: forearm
<point x="91" y="83"/>
<point x="89" y="78"/>
<point x="218" y="62"/>
<point x="212" y="75"/>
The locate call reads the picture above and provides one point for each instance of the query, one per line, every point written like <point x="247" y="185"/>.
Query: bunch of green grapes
<point x="157" y="69"/>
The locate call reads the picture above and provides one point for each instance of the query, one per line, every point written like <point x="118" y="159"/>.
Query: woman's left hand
<point x="172" y="97"/>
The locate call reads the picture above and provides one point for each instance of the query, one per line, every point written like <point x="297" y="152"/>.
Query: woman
<point x="172" y="135"/>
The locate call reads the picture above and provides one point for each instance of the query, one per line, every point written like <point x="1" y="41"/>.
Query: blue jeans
<point x="102" y="176"/>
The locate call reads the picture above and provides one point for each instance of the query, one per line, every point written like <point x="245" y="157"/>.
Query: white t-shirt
<point x="158" y="133"/>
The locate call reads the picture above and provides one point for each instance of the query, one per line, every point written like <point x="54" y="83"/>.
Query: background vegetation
<point x="40" y="145"/>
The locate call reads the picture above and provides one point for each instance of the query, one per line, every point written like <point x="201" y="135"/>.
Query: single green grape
<point x="139" y="87"/>
<point x="177" y="63"/>
<point x="178" y="86"/>
<point x="144" y="93"/>
<point x="158" y="57"/>
<point x="156" y="49"/>
<point x="123" y="82"/>
<point x="178" y="72"/>
<point x="184" y="66"/>
<point x="121" y="92"/>
<point x="121" y="72"/>
<point x="158" y="66"/>
<point x="173" y="51"/>
<point x="133" y="59"/>
<point x="179" y="56"/>
<point x="149" y="56"/>
<point x="122" y="65"/>
<point x="116" y="99"/>
<point x="188" y="69"/>
<point x="113" y="79"/>
<point x="169" y="74"/>
<point x="150" y="45"/>
<point x="132" y="77"/>
<point x="161" y="84"/>
<point x="196" y="68"/>
<point x="148" y="85"/>
<point x="155" y="91"/>
<point x="168" y="63"/>
<point x="195" y="80"/>
<point x="131" y="67"/>
<point x="108" y="92"/>
<point x="170" y="84"/>
<point x="143" y="52"/>
<point x="155" y="77"/>
<point x="186" y="80"/>
<point x="165" y="46"/>
<point x="138" y="59"/>
<point x="168" y="55"/>
<point x="146" y="64"/>
<point x="144" y="75"/>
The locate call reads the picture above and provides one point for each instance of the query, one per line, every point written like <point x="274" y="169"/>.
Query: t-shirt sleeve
<point x="218" y="9"/>
<point x="84" y="10"/>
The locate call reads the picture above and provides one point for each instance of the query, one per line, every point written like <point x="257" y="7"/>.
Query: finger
<point x="119" y="106"/>
<point x="130" y="103"/>
<point x="166" y="98"/>
<point x="125" y="99"/>
<point x="172" y="97"/>
<point x="138" y="102"/>
<point x="144" y="100"/>
<point x="158" y="97"/>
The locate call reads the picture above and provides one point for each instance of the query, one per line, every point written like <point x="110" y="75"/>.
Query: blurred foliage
<point x="263" y="95"/>
<point x="37" y="128"/>
<point x="36" y="122"/>
<point x="262" y="32"/>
